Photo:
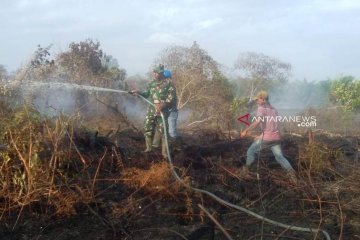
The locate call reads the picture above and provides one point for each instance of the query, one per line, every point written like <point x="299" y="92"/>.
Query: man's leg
<point x="252" y="151"/>
<point x="250" y="158"/>
<point x="157" y="139"/>
<point x="164" y="150"/>
<point x="160" y="129"/>
<point x="172" y="121"/>
<point x="276" y="149"/>
<point x="149" y="125"/>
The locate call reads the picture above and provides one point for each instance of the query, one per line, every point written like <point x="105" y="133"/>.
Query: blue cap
<point x="167" y="74"/>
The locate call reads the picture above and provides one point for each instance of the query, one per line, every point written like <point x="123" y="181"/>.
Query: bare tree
<point x="85" y="63"/>
<point x="200" y="85"/>
<point x="39" y="68"/>
<point x="82" y="61"/>
<point x="260" y="71"/>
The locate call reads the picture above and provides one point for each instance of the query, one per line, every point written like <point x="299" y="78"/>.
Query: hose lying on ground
<point x="213" y="196"/>
<point x="92" y="88"/>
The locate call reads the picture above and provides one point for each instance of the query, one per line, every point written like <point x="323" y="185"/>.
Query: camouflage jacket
<point x="160" y="92"/>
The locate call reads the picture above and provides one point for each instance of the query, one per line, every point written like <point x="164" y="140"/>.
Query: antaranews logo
<point x="301" y="121"/>
<point x="244" y="119"/>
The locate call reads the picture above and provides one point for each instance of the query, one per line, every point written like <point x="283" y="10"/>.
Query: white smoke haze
<point x="304" y="99"/>
<point x="133" y="107"/>
<point x="51" y="101"/>
<point x="300" y="95"/>
<point x="296" y="98"/>
<point x="53" y="98"/>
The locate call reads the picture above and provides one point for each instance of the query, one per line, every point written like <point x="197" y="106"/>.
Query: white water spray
<point x="213" y="196"/>
<point x="59" y="85"/>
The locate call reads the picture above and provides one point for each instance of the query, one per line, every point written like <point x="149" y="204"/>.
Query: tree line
<point x="203" y="88"/>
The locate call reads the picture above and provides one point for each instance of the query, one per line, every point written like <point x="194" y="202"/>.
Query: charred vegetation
<point x="60" y="179"/>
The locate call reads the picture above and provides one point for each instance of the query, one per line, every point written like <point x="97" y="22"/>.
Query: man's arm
<point x="170" y="96"/>
<point x="145" y="93"/>
<point x="249" y="128"/>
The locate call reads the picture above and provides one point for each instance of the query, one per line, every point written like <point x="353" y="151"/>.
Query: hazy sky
<point x="319" y="38"/>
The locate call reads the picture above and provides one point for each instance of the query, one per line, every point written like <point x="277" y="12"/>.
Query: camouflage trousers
<point x="153" y="122"/>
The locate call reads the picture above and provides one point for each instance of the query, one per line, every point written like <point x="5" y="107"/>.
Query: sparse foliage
<point x="41" y="57"/>
<point x="82" y="61"/>
<point x="86" y="64"/>
<point x="345" y="92"/>
<point x="112" y="71"/>
<point x="39" y="68"/>
<point x="260" y="72"/>
<point x="200" y="85"/>
<point x="51" y="169"/>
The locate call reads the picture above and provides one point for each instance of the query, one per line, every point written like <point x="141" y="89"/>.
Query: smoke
<point x="295" y="97"/>
<point x="301" y="95"/>
<point x="133" y="107"/>
<point x="52" y="101"/>
<point x="311" y="99"/>
<point x="53" y="98"/>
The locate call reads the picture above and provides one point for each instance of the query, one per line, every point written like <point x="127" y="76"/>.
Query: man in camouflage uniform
<point x="172" y="118"/>
<point x="161" y="93"/>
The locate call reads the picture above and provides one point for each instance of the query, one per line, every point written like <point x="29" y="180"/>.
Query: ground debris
<point x="122" y="193"/>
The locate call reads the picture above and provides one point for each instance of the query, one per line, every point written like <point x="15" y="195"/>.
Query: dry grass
<point x="156" y="179"/>
<point x="44" y="165"/>
<point x="35" y="167"/>
<point x="316" y="157"/>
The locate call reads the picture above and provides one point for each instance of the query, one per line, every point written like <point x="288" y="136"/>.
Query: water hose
<point x="213" y="196"/>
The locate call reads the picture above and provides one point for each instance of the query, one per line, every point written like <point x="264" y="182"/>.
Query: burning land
<point x="73" y="165"/>
<point x="68" y="177"/>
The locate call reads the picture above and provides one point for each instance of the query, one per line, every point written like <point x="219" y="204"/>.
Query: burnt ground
<point x="122" y="193"/>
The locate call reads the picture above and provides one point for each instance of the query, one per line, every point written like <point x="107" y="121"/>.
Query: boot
<point x="157" y="139"/>
<point x="164" y="152"/>
<point x="244" y="173"/>
<point x="148" y="142"/>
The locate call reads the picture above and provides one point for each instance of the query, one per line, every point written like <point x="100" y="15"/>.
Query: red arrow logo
<point x="246" y="117"/>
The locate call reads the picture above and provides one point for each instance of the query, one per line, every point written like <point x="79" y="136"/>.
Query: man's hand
<point x="158" y="107"/>
<point x="243" y="133"/>
<point x="133" y="92"/>
<point x="249" y="128"/>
